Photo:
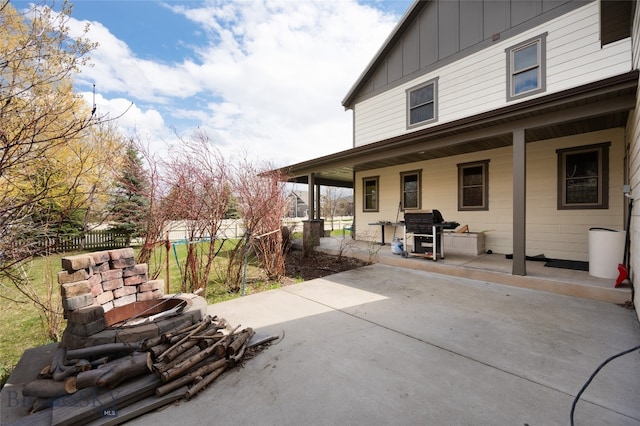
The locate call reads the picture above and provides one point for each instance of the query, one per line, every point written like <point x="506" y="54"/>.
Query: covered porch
<point x="515" y="135"/>
<point x="493" y="268"/>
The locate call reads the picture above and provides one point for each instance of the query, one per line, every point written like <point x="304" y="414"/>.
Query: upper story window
<point x="422" y="103"/>
<point x="473" y="186"/>
<point x="410" y="188"/>
<point x="583" y="177"/>
<point x="526" y="63"/>
<point x="370" y="194"/>
<point x="615" y="20"/>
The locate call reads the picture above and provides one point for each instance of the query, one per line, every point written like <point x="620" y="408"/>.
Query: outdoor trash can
<point x="606" y="252"/>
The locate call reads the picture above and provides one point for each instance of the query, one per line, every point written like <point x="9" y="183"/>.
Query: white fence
<point x="233" y="228"/>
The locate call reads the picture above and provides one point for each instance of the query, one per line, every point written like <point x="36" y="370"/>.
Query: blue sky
<point x="263" y="78"/>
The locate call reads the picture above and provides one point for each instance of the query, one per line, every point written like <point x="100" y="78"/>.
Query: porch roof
<point x="595" y="106"/>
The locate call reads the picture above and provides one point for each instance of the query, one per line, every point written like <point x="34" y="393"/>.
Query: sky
<point x="263" y="78"/>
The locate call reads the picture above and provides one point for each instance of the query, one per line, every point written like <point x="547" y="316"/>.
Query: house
<point x="297" y="207"/>
<point x="516" y="117"/>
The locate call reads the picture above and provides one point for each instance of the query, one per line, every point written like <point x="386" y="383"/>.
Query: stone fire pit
<point x="108" y="298"/>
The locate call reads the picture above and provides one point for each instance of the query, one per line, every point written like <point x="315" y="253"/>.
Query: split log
<point x="45" y="388"/>
<point x="204" y="382"/>
<point x="188" y="378"/>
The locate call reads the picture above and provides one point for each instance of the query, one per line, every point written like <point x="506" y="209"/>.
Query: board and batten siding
<point x="555" y="233"/>
<point x="477" y="83"/>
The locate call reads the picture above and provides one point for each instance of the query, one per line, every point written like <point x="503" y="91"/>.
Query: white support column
<point x="310" y="196"/>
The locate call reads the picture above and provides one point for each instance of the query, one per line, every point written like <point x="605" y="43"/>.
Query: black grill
<point x="422" y="222"/>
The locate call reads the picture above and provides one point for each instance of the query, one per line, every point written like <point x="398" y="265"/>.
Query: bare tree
<point x="333" y="203"/>
<point x="200" y="195"/>
<point x="262" y="204"/>
<point x="55" y="152"/>
<point x="156" y="215"/>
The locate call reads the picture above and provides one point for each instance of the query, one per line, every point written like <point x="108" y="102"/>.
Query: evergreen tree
<point x="130" y="201"/>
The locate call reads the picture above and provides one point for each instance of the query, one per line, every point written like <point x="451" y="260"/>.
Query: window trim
<point x="603" y="176"/>
<point x="485" y="183"/>
<point x="433" y="82"/>
<point x="418" y="190"/>
<point x="376" y="179"/>
<point x="541" y="41"/>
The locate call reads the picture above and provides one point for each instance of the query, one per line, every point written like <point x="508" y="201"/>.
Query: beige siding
<point x="555" y="233"/>
<point x="477" y="83"/>
<point x="633" y="141"/>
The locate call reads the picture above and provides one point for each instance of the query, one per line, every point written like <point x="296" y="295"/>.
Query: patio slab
<point x="386" y="345"/>
<point x="494" y="268"/>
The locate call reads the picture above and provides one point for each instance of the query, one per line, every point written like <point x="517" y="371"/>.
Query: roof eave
<point x="396" y="34"/>
<point x="626" y="80"/>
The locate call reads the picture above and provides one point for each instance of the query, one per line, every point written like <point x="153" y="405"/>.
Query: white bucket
<point x="396" y="246"/>
<point x="606" y="252"/>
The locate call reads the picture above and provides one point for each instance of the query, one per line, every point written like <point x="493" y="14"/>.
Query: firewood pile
<point x="191" y="358"/>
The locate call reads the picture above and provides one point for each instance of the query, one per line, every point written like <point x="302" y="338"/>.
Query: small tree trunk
<point x="45" y="388"/>
<point x="188" y="378"/>
<point x="115" y="372"/>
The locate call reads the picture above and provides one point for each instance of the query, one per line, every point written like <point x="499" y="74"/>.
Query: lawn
<point x="23" y="325"/>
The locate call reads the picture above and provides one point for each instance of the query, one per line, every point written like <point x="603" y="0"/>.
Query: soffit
<point x="597" y="106"/>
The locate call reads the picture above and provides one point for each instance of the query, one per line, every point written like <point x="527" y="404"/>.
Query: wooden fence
<point x="93" y="240"/>
<point x="106" y="239"/>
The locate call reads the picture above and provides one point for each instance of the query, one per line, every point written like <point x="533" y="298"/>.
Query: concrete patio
<point x="495" y="268"/>
<point x="384" y="345"/>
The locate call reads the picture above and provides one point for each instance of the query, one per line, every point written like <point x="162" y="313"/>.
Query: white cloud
<point x="269" y="81"/>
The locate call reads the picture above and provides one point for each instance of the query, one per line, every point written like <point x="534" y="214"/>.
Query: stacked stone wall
<point x="94" y="283"/>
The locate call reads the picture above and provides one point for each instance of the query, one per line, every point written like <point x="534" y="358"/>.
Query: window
<point x="410" y="189"/>
<point x="583" y="177"/>
<point x="370" y="188"/>
<point x="421" y="104"/>
<point x="615" y="20"/>
<point x="473" y="186"/>
<point x="526" y="65"/>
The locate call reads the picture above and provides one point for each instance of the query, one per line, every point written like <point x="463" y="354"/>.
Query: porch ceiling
<point x="596" y="106"/>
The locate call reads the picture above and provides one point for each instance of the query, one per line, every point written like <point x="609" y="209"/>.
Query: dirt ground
<point x="317" y="265"/>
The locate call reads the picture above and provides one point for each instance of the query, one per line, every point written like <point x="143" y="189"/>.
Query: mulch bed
<point x="317" y="265"/>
